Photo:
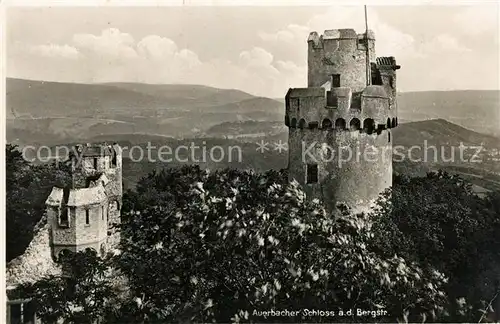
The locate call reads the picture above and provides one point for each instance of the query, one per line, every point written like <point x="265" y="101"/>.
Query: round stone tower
<point x="340" y="141"/>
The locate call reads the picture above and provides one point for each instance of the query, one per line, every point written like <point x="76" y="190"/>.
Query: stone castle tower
<point x="82" y="215"/>
<point x="340" y="144"/>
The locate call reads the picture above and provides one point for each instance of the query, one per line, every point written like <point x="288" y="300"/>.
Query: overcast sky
<point x="260" y="50"/>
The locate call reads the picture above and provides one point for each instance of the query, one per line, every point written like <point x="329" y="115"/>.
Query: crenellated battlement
<point x="339" y="108"/>
<point x="330" y="35"/>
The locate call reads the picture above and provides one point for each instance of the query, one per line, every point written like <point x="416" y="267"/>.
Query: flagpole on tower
<point x="368" y="65"/>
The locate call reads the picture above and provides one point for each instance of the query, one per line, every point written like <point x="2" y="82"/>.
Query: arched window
<point x="393" y="124"/>
<point x="340" y="124"/>
<point x="355" y="124"/>
<point x="369" y="126"/>
<point x="326" y="124"/>
<point x="302" y="123"/>
<point x="293" y="124"/>
<point x="388" y="123"/>
<point x="64" y="216"/>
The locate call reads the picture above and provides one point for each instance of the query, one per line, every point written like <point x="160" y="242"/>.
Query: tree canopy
<point x="225" y="245"/>
<point x="220" y="245"/>
<point x="27" y="188"/>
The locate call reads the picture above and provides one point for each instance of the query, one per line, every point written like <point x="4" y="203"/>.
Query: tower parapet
<point x="338" y="109"/>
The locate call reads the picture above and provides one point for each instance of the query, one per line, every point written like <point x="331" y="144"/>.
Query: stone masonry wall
<point x="357" y="180"/>
<point x="36" y="262"/>
<point x="78" y="236"/>
<point x="339" y="52"/>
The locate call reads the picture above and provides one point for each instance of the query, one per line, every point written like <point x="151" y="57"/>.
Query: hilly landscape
<point x="51" y="113"/>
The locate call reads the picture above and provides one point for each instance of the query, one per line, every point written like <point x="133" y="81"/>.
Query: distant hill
<point x="186" y="95"/>
<point x="478" y="110"/>
<point x="439" y="141"/>
<point x="54" y="99"/>
<point x="51" y="112"/>
<point x="440" y="132"/>
<point x="40" y="99"/>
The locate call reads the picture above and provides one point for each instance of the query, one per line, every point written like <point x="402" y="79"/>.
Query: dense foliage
<point x="85" y="292"/>
<point x="202" y="246"/>
<point x="221" y="245"/>
<point x="27" y="188"/>
<point x="439" y="222"/>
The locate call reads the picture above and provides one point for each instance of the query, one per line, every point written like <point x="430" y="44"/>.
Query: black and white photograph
<point x="251" y="162"/>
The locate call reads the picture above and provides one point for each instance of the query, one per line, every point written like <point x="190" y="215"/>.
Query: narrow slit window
<point x="335" y="80"/>
<point x="87" y="217"/>
<point x="64" y="217"/>
<point x="312" y="173"/>
<point x="95" y="163"/>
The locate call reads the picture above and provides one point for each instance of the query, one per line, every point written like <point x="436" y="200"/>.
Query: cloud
<point x="111" y="44"/>
<point x="291" y="34"/>
<point x="390" y="41"/>
<point x="156" y="47"/>
<point x="114" y="55"/>
<point x="51" y="50"/>
<point x="268" y="67"/>
<point x="411" y="52"/>
<point x="256" y="57"/>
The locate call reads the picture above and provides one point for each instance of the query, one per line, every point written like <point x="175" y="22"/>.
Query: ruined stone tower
<point x="340" y="144"/>
<point x="82" y="215"/>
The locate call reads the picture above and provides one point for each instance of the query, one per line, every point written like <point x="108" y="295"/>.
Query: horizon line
<point x="213" y="87"/>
